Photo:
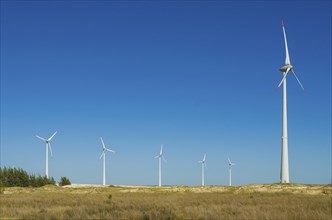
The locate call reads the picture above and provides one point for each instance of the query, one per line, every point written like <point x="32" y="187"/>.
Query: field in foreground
<point x="275" y="201"/>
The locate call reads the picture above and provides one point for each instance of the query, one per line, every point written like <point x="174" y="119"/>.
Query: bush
<point x="109" y="200"/>
<point x="64" y="181"/>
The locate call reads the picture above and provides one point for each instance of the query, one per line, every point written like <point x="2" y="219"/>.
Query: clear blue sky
<point x="196" y="76"/>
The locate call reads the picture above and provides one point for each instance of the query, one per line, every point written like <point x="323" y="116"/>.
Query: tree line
<point x="19" y="177"/>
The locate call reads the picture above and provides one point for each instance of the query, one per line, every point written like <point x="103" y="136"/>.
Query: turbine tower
<point x="48" y="145"/>
<point x="230" y="164"/>
<point x="160" y="156"/>
<point x="103" y="154"/>
<point x="284" y="171"/>
<point x="203" y="166"/>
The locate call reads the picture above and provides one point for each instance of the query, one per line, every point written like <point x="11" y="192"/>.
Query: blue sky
<point x="196" y="76"/>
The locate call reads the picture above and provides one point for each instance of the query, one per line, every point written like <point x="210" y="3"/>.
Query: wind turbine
<point x="284" y="172"/>
<point x="203" y="166"/>
<point x="230" y="164"/>
<point x="48" y="145"/>
<point x="160" y="156"/>
<point x="103" y="155"/>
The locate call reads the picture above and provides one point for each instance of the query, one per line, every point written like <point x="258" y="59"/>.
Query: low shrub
<point x="64" y="181"/>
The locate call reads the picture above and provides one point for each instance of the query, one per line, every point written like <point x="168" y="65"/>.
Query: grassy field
<point x="275" y="201"/>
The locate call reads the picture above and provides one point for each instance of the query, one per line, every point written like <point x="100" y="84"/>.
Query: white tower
<point x="103" y="155"/>
<point x="230" y="164"/>
<point x="160" y="156"/>
<point x="284" y="171"/>
<point x="48" y="145"/>
<point x="203" y="166"/>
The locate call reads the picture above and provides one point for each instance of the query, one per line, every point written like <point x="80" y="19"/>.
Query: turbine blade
<point x="161" y="150"/>
<point x="229" y="161"/>
<point x="101" y="155"/>
<point x="287" y="60"/>
<point x="110" y="150"/>
<point x="102" y="142"/>
<point x="204" y="158"/>
<point x="297" y="79"/>
<point x="52" y="136"/>
<point x="49" y="145"/>
<point x="283" y="79"/>
<point x="156" y="156"/>
<point x="164" y="159"/>
<point x="200" y="161"/>
<point x="43" y="139"/>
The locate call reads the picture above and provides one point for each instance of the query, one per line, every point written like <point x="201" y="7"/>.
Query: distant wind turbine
<point x="203" y="166"/>
<point x="284" y="171"/>
<point x="48" y="145"/>
<point x="230" y="164"/>
<point x="103" y="154"/>
<point x="160" y="156"/>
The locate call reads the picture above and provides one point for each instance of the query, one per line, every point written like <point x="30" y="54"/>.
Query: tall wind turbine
<point x="48" y="145"/>
<point x="160" y="156"/>
<point x="103" y="154"/>
<point x="284" y="172"/>
<point x="203" y="166"/>
<point x="230" y="164"/>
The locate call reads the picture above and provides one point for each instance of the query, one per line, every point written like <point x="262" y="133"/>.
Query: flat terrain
<point x="268" y="201"/>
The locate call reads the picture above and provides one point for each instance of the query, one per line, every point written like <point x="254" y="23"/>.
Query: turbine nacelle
<point x="286" y="67"/>
<point x="202" y="161"/>
<point x="230" y="164"/>
<point x="161" y="154"/>
<point x="105" y="149"/>
<point x="46" y="140"/>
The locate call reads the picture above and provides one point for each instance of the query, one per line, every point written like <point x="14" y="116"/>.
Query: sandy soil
<point x="312" y="189"/>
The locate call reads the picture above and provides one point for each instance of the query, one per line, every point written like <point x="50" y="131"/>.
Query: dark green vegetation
<point x="273" y="201"/>
<point x="64" y="181"/>
<point x="19" y="177"/>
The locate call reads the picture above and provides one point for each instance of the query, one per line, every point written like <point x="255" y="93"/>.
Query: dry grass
<point x="51" y="202"/>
